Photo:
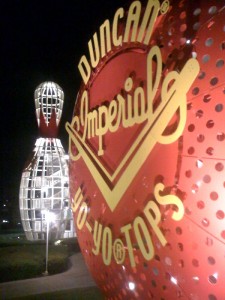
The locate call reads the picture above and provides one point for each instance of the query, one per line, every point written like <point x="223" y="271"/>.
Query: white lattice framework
<point x="49" y="96"/>
<point x="44" y="187"/>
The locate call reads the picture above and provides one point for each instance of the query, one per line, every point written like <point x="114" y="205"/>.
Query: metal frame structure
<point x="44" y="187"/>
<point x="48" y="96"/>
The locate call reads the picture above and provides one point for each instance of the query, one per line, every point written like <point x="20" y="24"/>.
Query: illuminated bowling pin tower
<point x="44" y="188"/>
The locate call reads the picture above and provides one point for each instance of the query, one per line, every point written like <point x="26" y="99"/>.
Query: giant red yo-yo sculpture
<point x="147" y="152"/>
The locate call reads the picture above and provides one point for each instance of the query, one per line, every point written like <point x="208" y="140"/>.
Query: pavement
<point x="77" y="276"/>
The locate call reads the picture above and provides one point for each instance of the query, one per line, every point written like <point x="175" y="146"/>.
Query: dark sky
<point x="40" y="40"/>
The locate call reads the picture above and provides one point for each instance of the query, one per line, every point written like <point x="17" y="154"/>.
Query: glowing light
<point x="131" y="285"/>
<point x="173" y="280"/>
<point x="49" y="216"/>
<point x="199" y="163"/>
<point x="199" y="183"/>
<point x="57" y="242"/>
<point x="194" y="54"/>
<point x="196" y="278"/>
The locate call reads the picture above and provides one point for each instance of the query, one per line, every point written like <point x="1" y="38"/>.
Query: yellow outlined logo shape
<point x="173" y="97"/>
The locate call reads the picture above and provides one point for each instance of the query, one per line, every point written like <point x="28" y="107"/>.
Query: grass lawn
<point x="22" y="259"/>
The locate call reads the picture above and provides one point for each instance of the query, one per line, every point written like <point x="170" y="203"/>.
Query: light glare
<point x="131" y="286"/>
<point x="173" y="280"/>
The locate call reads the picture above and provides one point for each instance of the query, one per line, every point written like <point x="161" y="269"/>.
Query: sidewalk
<point x="76" y="277"/>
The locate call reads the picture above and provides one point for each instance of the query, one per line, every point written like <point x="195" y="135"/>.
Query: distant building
<point x="44" y="189"/>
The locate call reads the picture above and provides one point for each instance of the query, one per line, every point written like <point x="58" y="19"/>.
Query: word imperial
<point x="134" y="107"/>
<point x="132" y="110"/>
<point x="126" y="112"/>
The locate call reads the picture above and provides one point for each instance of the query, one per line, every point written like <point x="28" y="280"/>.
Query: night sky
<point x="40" y="41"/>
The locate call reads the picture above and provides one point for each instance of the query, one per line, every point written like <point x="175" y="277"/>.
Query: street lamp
<point x="49" y="217"/>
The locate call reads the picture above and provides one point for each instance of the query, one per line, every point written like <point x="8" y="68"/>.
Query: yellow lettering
<point x="102" y="126"/>
<point x="105" y="38"/>
<point x="97" y="237"/>
<point x="117" y="40"/>
<point x="94" y="51"/>
<point x="153" y="215"/>
<point x="151" y="13"/>
<point x="75" y="155"/>
<point x="140" y="113"/>
<point x="107" y="246"/>
<point x="125" y="229"/>
<point x="132" y="21"/>
<point x="84" y="68"/>
<point x="82" y="216"/>
<point x="133" y="32"/>
<point x="144" y="240"/>
<point x="169" y="199"/>
<point x="114" y="116"/>
<point x="154" y="57"/>
<point x="83" y="113"/>
<point x="77" y="200"/>
<point x="119" y="251"/>
<point x="92" y="123"/>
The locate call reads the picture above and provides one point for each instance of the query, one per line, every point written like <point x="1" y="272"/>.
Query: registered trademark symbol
<point x="118" y="251"/>
<point x="165" y="7"/>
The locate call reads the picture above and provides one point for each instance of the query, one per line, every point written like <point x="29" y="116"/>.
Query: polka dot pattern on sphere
<point x="164" y="238"/>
